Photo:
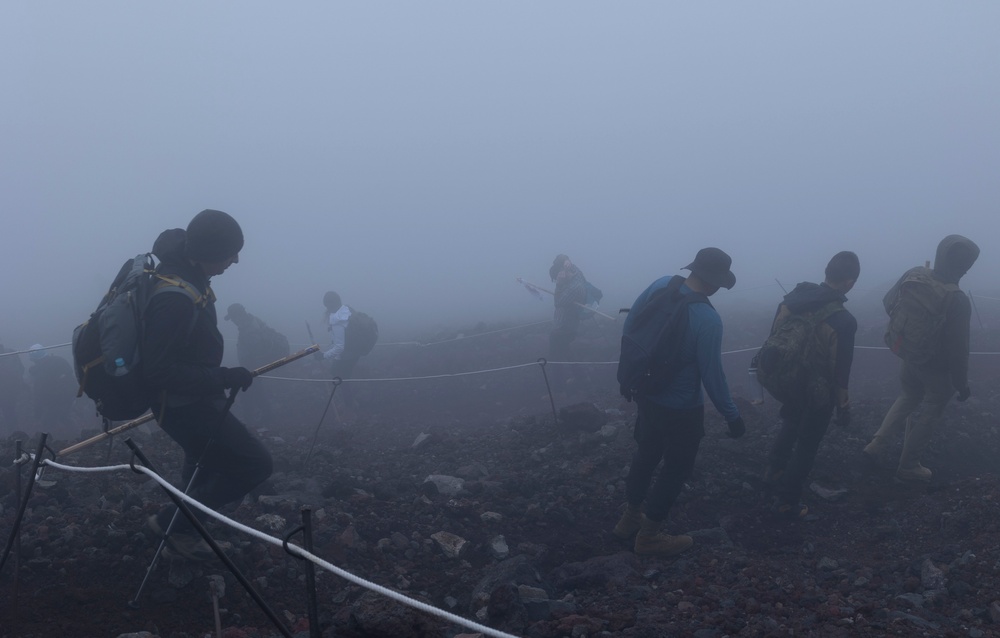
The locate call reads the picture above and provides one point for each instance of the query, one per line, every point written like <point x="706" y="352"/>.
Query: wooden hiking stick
<point x="146" y="418"/>
<point x="531" y="286"/>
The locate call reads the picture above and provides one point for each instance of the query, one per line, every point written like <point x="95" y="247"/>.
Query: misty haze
<point x="428" y="162"/>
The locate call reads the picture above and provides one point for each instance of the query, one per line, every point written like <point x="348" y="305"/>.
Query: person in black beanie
<point x="182" y="353"/>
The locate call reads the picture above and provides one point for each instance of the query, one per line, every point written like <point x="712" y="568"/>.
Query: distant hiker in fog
<point x="816" y="375"/>
<point x="353" y="334"/>
<point x="187" y="385"/>
<point x="570" y="292"/>
<point x="12" y="387"/>
<point x="929" y="329"/>
<point x="257" y="344"/>
<point x="53" y="388"/>
<point x="671" y="411"/>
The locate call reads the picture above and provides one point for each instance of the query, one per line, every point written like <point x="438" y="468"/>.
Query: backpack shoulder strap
<point x="172" y="283"/>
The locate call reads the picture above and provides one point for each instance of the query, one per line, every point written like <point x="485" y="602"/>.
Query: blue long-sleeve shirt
<point x="700" y="359"/>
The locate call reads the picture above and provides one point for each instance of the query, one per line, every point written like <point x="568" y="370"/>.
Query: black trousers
<point x="670" y="436"/>
<point x="232" y="460"/>
<point x="794" y="449"/>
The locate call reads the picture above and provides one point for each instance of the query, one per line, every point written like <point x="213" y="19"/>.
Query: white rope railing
<point x="357" y="580"/>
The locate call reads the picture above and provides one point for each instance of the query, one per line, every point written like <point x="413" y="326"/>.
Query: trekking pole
<point x="146" y="418"/>
<point x="23" y="501"/>
<point x="531" y="286"/>
<point x="336" y="383"/>
<point x="307" y="543"/>
<point x="780" y="286"/>
<point x="197" y="524"/>
<point x="153" y="564"/>
<point x="542" y="361"/>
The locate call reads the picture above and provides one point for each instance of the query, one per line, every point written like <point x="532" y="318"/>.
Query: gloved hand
<point x="319" y="355"/>
<point x="237" y="378"/>
<point x="964" y="393"/>
<point x="737" y="428"/>
<point x="843" y="419"/>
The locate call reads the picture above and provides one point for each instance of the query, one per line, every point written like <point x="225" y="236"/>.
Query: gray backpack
<point x="106" y="356"/>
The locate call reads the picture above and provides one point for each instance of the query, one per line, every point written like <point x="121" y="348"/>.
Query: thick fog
<point x="417" y="157"/>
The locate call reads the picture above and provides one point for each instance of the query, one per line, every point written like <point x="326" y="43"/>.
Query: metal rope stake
<point x="18" y="453"/>
<point x="15" y="532"/>
<point x="146" y="418"/>
<point x="552" y="401"/>
<point x="336" y="384"/>
<point x="197" y="524"/>
<point x="307" y="543"/>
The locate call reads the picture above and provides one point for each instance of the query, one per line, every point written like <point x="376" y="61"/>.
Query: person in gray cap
<point x="186" y="382"/>
<point x="671" y="411"/>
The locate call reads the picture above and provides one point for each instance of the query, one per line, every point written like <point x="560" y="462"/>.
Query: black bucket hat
<point x="712" y="266"/>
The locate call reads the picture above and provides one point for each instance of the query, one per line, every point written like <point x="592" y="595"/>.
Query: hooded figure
<point x="930" y="384"/>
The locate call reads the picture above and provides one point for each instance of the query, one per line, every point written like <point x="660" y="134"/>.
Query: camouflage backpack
<point x="794" y="364"/>
<point x="916" y="309"/>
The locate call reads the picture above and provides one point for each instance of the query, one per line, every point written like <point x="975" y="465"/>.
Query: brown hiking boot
<point x="651" y="541"/>
<point x="916" y="474"/>
<point x="628" y="524"/>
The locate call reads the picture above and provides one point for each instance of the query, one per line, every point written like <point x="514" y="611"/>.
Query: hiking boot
<point x="189" y="546"/>
<point x="628" y="524"/>
<point x="876" y="448"/>
<point x="180" y="545"/>
<point x="916" y="474"/>
<point x="651" y="541"/>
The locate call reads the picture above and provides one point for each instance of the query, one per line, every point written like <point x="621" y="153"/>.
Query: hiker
<point x="187" y="385"/>
<point x="934" y="348"/>
<point x="352" y="335"/>
<point x="257" y="345"/>
<point x="806" y="414"/>
<point x="671" y="411"/>
<point x="53" y="388"/>
<point x="570" y="291"/>
<point x="11" y="388"/>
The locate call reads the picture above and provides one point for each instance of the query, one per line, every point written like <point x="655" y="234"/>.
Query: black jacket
<point x="181" y="343"/>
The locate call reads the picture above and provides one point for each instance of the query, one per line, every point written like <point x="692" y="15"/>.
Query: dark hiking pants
<point x="670" y="436"/>
<point x="232" y="460"/>
<point x="794" y="449"/>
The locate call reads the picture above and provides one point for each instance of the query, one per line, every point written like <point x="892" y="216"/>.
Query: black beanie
<point x="213" y="236"/>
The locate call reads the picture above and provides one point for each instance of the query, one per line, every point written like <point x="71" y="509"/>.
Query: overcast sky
<point x="417" y="157"/>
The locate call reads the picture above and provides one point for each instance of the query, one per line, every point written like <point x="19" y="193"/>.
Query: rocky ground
<point x="463" y="493"/>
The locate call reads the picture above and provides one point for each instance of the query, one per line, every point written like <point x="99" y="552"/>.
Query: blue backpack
<point x="651" y="338"/>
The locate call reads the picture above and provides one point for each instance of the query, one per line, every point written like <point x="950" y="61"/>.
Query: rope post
<point x="197" y="524"/>
<point x="307" y="542"/>
<point x="336" y="384"/>
<point x="15" y="532"/>
<point x="555" y="418"/>
<point x="18" y="452"/>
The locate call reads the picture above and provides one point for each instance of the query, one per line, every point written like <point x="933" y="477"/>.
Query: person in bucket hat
<point x="671" y="412"/>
